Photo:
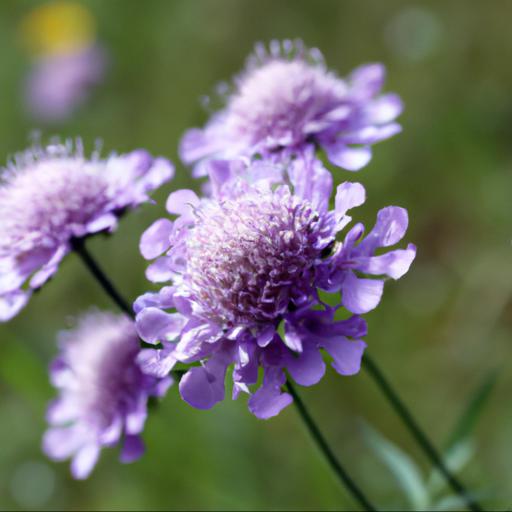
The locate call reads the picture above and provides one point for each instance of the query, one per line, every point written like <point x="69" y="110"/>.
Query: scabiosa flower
<point x="59" y="83"/>
<point x="287" y="100"/>
<point x="51" y="195"/>
<point x="103" y="392"/>
<point x="244" y="273"/>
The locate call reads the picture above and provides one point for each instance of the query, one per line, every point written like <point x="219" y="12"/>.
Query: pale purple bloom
<point x="50" y="195"/>
<point x="244" y="270"/>
<point x="59" y="83"/>
<point x="103" y="392"/>
<point x="286" y="100"/>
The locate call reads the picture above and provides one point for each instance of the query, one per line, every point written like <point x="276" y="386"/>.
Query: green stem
<point x="418" y="434"/>
<point x="324" y="447"/>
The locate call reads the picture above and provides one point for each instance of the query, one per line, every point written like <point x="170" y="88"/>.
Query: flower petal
<point x="203" y="386"/>
<point x="348" y="196"/>
<point x="158" y="363"/>
<point x="156" y="239"/>
<point x="292" y="338"/>
<point x="384" y="109"/>
<point x="133" y="449"/>
<point x="105" y="222"/>
<point x="394" y="264"/>
<point x="372" y="134"/>
<point x="347" y="354"/>
<point x="160" y="270"/>
<point x="162" y="299"/>
<point x="153" y="325"/>
<point x="161" y="171"/>
<point x="196" y="342"/>
<point x="84" y="461"/>
<point x="367" y="80"/>
<point x="307" y="368"/>
<point x="389" y="229"/>
<point x="60" y="443"/>
<point x="182" y="202"/>
<point x="269" y="400"/>
<point x="361" y="295"/>
<point x="12" y="303"/>
<point x="346" y="157"/>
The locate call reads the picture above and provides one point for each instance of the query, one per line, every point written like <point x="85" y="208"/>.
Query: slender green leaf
<point x="473" y="410"/>
<point x="460" y="449"/>
<point x="456" y="458"/>
<point x="451" y="502"/>
<point x="404" y="469"/>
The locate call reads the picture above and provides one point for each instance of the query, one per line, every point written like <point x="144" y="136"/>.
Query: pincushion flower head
<point x="103" y="392"/>
<point x="54" y="194"/>
<point x="243" y="273"/>
<point x="287" y="100"/>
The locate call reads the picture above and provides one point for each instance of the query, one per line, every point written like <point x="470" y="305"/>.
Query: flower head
<point x="286" y="100"/>
<point x="103" y="392"/>
<point x="59" y="83"/>
<point x="244" y="273"/>
<point x="53" y="194"/>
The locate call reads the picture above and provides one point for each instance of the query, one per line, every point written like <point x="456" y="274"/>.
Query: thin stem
<point x="420" y="436"/>
<point x="321" y="442"/>
<point x="78" y="245"/>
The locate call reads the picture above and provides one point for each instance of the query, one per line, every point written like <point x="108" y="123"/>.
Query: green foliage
<point x="430" y="492"/>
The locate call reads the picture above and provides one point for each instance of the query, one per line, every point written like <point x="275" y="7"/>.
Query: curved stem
<point x="78" y="245"/>
<point x="324" y="447"/>
<point x="416" y="431"/>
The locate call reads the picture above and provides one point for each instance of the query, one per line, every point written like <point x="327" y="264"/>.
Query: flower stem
<point x="324" y="447"/>
<point x="78" y="245"/>
<point x="418" y="434"/>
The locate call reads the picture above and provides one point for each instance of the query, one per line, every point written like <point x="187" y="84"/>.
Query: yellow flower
<point x="58" y="27"/>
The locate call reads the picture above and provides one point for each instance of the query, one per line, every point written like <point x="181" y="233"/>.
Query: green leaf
<point x="456" y="458"/>
<point x="450" y="503"/>
<point x="473" y="410"/>
<point x="460" y="449"/>
<point x="404" y="469"/>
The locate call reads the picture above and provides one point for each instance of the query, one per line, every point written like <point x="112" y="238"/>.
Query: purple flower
<point x="244" y="272"/>
<point x="103" y="392"/>
<point x="286" y="100"/>
<point x="59" y="83"/>
<point x="51" y="195"/>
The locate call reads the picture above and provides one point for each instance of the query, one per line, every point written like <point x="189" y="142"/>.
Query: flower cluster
<point x="103" y="392"/>
<point x="50" y="195"/>
<point x="245" y="271"/>
<point x="266" y="276"/>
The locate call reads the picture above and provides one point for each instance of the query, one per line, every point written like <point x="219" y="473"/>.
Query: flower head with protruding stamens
<point x="50" y="195"/>
<point x="245" y="270"/>
<point x="103" y="392"/>
<point x="287" y="100"/>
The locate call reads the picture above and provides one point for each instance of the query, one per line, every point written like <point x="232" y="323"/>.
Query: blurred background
<point x="442" y="335"/>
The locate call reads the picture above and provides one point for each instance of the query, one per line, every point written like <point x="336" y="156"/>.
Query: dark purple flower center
<point x="248" y="258"/>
